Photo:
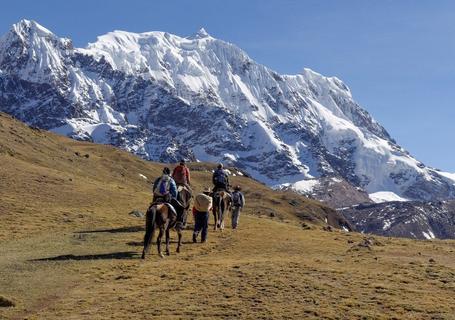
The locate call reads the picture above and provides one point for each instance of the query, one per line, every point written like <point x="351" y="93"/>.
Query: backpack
<point x="202" y="203"/>
<point x="163" y="186"/>
<point x="219" y="177"/>
<point x="236" y="199"/>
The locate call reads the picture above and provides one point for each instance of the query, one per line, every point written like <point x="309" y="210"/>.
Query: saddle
<point x="181" y="187"/>
<point x="169" y="206"/>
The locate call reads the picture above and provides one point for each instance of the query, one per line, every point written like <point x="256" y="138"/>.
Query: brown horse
<point x="222" y="201"/>
<point x="161" y="216"/>
<point x="184" y="198"/>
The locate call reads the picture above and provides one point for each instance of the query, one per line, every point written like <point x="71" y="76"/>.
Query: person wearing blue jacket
<point x="164" y="187"/>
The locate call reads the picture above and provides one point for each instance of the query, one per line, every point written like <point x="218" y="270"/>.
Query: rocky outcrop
<point x="413" y="219"/>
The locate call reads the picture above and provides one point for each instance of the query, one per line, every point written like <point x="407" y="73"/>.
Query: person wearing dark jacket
<point x="220" y="179"/>
<point x="238" y="202"/>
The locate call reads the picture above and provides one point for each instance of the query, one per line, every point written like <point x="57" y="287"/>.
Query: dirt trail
<point x="266" y="269"/>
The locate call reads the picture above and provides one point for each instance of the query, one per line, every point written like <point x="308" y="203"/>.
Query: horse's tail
<point x="220" y="206"/>
<point x="216" y="201"/>
<point x="221" y="203"/>
<point x="149" y="229"/>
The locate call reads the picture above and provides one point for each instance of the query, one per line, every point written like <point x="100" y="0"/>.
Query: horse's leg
<point x="215" y="216"/>
<point x="218" y="211"/>
<point x="158" y="241"/>
<point x="150" y="229"/>
<point x="168" y="239"/>
<point x="222" y="207"/>
<point x="179" y="233"/>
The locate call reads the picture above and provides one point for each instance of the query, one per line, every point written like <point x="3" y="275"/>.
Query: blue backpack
<point x="163" y="186"/>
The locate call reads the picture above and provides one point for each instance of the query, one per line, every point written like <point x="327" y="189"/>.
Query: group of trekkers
<point x="167" y="186"/>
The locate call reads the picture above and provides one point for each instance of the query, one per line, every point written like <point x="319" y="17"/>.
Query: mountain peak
<point x="35" y="52"/>
<point x="201" y="34"/>
<point x="29" y="26"/>
<point x="287" y="130"/>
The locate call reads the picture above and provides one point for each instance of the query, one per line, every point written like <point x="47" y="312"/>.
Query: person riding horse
<point x="220" y="179"/>
<point x="165" y="190"/>
<point x="181" y="175"/>
<point x="167" y="211"/>
<point x="164" y="187"/>
<point x="221" y="196"/>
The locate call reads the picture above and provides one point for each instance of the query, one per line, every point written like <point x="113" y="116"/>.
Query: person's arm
<point x="188" y="175"/>
<point x="173" y="189"/>
<point x="173" y="172"/>
<point x="155" y="184"/>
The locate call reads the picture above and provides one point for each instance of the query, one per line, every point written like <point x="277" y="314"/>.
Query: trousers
<point x="201" y="224"/>
<point x="235" y="217"/>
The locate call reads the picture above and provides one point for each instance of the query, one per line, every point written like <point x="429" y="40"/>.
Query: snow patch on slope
<point x="303" y="186"/>
<point x="450" y="176"/>
<point x="428" y="235"/>
<point x="385" y="196"/>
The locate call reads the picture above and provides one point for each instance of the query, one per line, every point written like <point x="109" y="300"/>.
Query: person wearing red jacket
<point x="181" y="174"/>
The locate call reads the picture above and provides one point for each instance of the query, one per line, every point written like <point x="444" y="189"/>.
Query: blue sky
<point x="397" y="56"/>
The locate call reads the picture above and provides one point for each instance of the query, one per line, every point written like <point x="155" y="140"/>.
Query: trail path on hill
<point x="266" y="269"/>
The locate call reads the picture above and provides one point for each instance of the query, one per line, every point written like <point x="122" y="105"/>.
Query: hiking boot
<point x="194" y="238"/>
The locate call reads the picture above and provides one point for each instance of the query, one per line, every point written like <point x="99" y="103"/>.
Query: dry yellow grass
<point x="51" y="181"/>
<point x="69" y="249"/>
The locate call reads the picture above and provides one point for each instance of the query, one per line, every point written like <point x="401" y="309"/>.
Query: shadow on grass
<point x="103" y="256"/>
<point x="135" y="243"/>
<point x="141" y="243"/>
<point x="116" y="230"/>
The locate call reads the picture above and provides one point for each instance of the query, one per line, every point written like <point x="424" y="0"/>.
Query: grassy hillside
<point x="51" y="181"/>
<point x="69" y="249"/>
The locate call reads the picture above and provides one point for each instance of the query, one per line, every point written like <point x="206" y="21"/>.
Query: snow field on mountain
<point x="385" y="196"/>
<point x="279" y="128"/>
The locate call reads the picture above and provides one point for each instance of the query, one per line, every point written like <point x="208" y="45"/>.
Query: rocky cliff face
<point x="412" y="219"/>
<point x="165" y="97"/>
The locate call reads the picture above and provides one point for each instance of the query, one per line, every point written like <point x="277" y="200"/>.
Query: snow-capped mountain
<point x="409" y="219"/>
<point x="164" y="97"/>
